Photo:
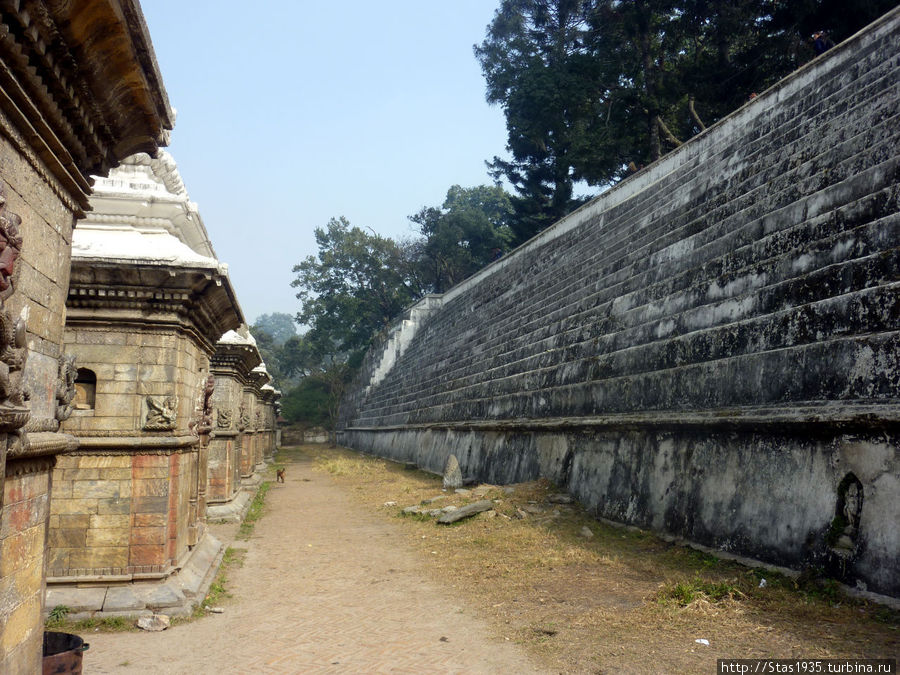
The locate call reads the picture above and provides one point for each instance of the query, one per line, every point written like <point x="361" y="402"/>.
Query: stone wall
<point x="66" y="111"/>
<point x="709" y="349"/>
<point x="130" y="473"/>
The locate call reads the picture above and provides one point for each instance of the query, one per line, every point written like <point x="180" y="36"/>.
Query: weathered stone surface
<point x="154" y="623"/>
<point x="121" y="598"/>
<point x="466" y="511"/>
<point x="76" y="599"/>
<point x="158" y="596"/>
<point x="452" y="474"/>
<point x="709" y="349"/>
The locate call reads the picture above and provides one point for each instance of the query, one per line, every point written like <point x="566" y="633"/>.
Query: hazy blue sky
<point x="294" y="111"/>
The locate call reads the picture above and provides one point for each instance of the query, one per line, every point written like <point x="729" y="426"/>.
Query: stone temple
<point x="118" y="368"/>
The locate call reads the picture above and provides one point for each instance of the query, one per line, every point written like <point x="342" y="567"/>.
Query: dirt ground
<point x="324" y="588"/>
<point x="336" y="578"/>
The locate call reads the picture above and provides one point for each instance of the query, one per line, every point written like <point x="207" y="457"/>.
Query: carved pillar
<point x="201" y="426"/>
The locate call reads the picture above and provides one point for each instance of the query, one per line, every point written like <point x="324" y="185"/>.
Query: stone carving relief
<point x="13" y="351"/>
<point x="259" y="422"/>
<point x="65" y="387"/>
<point x="244" y="419"/>
<point x="224" y="419"/>
<point x="161" y="412"/>
<point x="843" y="537"/>
<point x="202" y="422"/>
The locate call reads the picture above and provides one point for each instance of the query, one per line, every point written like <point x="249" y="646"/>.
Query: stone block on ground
<point x="154" y="623"/>
<point x="466" y="511"/>
<point x="158" y="596"/>
<point x="76" y="599"/>
<point x="120" y="599"/>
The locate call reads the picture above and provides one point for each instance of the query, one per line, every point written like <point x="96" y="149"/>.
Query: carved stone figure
<point x="223" y="419"/>
<point x="10" y="246"/>
<point x="245" y="419"/>
<point x="65" y="387"/>
<point x="259" y="422"/>
<point x="202" y="423"/>
<point x="13" y="350"/>
<point x="160" y="413"/>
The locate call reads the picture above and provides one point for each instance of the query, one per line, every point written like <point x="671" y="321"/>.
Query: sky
<point x="299" y="111"/>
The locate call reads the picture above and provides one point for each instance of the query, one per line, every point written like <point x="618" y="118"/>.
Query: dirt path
<point x="324" y="588"/>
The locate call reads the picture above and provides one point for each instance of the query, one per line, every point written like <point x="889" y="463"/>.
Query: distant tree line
<point x="592" y="91"/>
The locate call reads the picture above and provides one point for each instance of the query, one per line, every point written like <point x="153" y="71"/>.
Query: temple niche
<point x="67" y="111"/>
<point x="148" y="301"/>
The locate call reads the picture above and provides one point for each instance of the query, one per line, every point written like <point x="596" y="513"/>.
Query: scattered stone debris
<point x="390" y="503"/>
<point x="702" y="641"/>
<point x="452" y="473"/>
<point x="520" y="514"/>
<point x="410" y="510"/>
<point x="586" y="532"/>
<point x="216" y="610"/>
<point x="154" y="623"/>
<point x="466" y="511"/>
<point x="462" y="491"/>
<point x="561" y="498"/>
<point x="449" y="508"/>
<point x="483" y="489"/>
<point x="533" y="509"/>
<point x="509" y="490"/>
<point x="432" y="500"/>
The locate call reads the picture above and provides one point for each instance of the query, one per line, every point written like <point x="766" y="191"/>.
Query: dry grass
<point x="620" y="601"/>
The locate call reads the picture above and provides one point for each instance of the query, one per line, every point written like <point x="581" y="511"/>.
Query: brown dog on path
<point x="279" y="476"/>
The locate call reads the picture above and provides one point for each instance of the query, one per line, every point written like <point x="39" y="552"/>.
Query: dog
<point x="279" y="476"/>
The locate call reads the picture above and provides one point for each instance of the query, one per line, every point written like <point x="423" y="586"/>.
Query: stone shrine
<point x="148" y="301"/>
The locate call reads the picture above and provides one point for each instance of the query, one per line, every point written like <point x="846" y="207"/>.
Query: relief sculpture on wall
<point x="65" y="387"/>
<point x="202" y="422"/>
<point x="13" y="351"/>
<point x="223" y="419"/>
<point x="160" y="415"/>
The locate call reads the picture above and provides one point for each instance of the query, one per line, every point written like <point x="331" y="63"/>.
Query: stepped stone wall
<point x="709" y="349"/>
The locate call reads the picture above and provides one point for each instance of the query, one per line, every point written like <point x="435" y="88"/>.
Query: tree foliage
<point x="470" y="230"/>
<point x="278" y="325"/>
<point x="593" y="89"/>
<point x="353" y="288"/>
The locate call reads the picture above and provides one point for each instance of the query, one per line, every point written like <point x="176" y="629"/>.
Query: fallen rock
<point x="390" y="503"/>
<point x="520" y="514"/>
<point x="586" y="532"/>
<point x="409" y="510"/>
<point x="216" y="610"/>
<point x="452" y="473"/>
<point x="153" y="623"/>
<point x="561" y="498"/>
<point x="466" y="511"/>
<point x="462" y="491"/>
<point x="448" y="509"/>
<point x="432" y="500"/>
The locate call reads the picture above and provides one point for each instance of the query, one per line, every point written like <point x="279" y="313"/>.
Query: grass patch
<point x="109" y="624"/>
<point x="254" y="513"/>
<point x="683" y="593"/>
<point x="218" y="589"/>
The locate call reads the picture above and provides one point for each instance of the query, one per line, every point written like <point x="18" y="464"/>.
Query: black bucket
<point x="62" y="653"/>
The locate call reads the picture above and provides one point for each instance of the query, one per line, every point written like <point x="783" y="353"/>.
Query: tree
<point x="594" y="89"/>
<point x="278" y="325"/>
<point x="462" y="236"/>
<point x="537" y="69"/>
<point x="354" y="288"/>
